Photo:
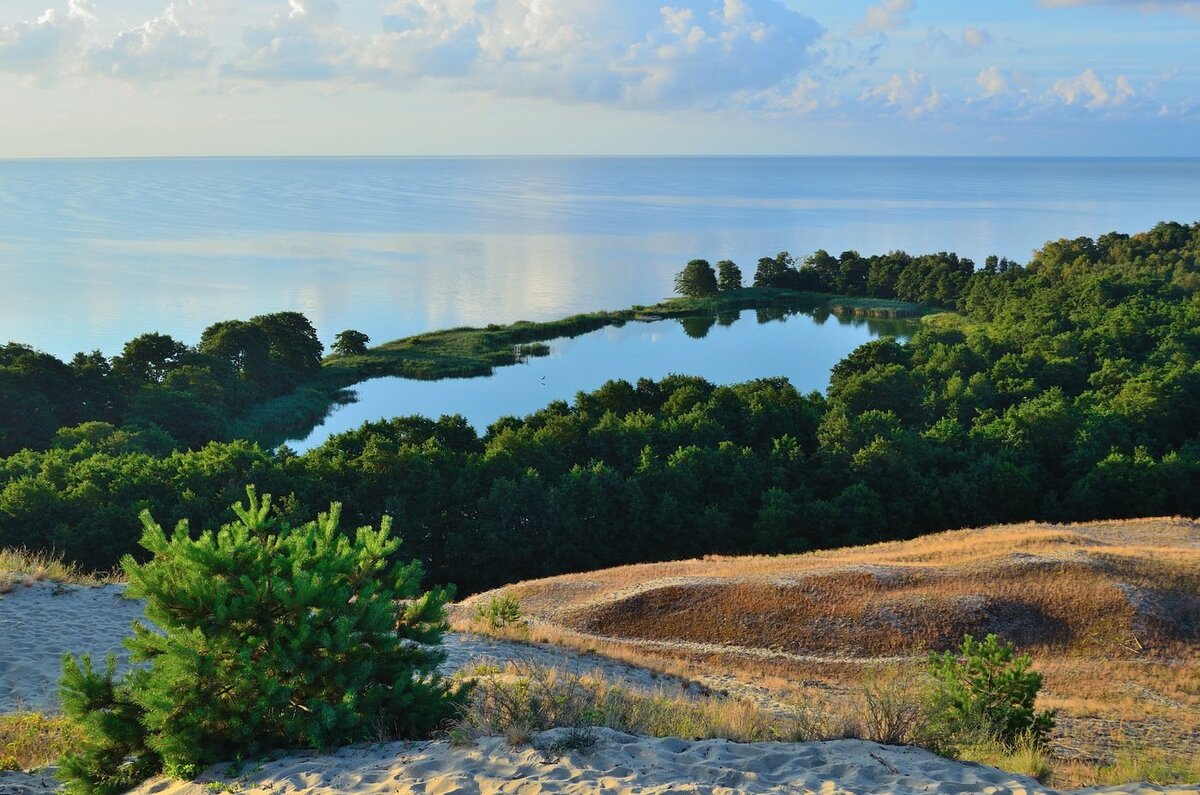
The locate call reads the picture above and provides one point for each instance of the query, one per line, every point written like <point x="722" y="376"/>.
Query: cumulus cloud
<point x="911" y="94"/>
<point x="1189" y="8"/>
<point x="161" y="48"/>
<point x="888" y="15"/>
<point x="1088" y="90"/>
<point x="973" y="39"/>
<point x="970" y="41"/>
<point x="306" y="43"/>
<point x="622" y="51"/>
<point x="49" y="45"/>
<point x="993" y="81"/>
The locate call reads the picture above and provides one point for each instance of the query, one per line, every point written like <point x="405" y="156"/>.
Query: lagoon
<point x="801" y="346"/>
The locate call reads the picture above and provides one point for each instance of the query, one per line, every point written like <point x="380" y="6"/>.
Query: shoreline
<point x="472" y="352"/>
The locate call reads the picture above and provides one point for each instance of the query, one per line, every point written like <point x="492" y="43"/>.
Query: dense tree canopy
<point x="1063" y="390"/>
<point x="192" y="394"/>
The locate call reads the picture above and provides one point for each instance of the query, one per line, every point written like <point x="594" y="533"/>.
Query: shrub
<point x="499" y="612"/>
<point x="271" y="637"/>
<point x="985" y="690"/>
<point x="520" y="700"/>
<point x="350" y="343"/>
<point x="895" y="712"/>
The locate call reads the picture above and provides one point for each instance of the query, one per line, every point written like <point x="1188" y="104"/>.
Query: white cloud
<point x="49" y="45"/>
<point x="1189" y="8"/>
<point x="161" y="48"/>
<point x="970" y="41"/>
<point x="993" y="82"/>
<point x="974" y="39"/>
<point x="698" y="52"/>
<point x="306" y="43"/>
<point x="911" y="94"/>
<point x="888" y="15"/>
<point x="1088" y="90"/>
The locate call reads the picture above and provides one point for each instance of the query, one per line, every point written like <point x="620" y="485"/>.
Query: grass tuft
<point x="25" y="567"/>
<point x="520" y="700"/>
<point x="31" y="740"/>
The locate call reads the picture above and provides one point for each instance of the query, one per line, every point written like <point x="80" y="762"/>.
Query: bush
<point x="521" y="699"/>
<point x="350" y="343"/>
<point x="271" y="637"/>
<point x="984" y="690"/>
<point x="499" y="612"/>
<point x="895" y="713"/>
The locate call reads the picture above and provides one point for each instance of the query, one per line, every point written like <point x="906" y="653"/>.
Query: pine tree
<point x="267" y="637"/>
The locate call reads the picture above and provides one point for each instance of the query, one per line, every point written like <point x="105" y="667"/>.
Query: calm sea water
<point x="94" y="252"/>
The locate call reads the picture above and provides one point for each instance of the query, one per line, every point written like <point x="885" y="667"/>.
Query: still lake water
<point x="802" y="347"/>
<point x="94" y="252"/>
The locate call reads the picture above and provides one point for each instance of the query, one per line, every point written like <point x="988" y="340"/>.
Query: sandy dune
<point x="40" y="623"/>
<point x="620" y="764"/>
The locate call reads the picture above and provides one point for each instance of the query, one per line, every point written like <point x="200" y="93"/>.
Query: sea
<point x="95" y="252"/>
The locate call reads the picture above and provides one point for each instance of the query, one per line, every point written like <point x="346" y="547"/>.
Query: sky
<point x="115" y="78"/>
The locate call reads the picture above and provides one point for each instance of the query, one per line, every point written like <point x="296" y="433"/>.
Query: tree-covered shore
<point x="1064" y="389"/>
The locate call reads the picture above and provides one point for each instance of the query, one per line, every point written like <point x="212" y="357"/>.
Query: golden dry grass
<point x="30" y="740"/>
<point x="22" y="566"/>
<point x="1109" y="610"/>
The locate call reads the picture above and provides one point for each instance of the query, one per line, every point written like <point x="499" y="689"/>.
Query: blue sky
<point x="233" y="77"/>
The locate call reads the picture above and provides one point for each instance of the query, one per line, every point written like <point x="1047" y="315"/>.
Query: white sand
<point x="42" y="622"/>
<point x="620" y="764"/>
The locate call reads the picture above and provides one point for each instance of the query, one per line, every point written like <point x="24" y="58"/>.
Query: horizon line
<point x="592" y="156"/>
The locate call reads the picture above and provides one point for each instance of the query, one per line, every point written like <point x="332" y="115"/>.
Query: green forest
<point x="1062" y="389"/>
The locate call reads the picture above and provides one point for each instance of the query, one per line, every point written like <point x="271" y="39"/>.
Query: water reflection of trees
<point x="697" y="326"/>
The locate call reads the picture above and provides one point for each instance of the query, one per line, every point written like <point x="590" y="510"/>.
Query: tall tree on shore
<point x="696" y="280"/>
<point x="729" y="275"/>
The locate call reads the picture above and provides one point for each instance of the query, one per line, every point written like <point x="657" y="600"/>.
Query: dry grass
<point x="30" y="740"/>
<point x="1109" y="610"/>
<point x="519" y="700"/>
<point x="25" y="567"/>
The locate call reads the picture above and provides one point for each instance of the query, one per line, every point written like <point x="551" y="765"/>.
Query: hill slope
<point x="1121" y="588"/>
<point x="1110" y="611"/>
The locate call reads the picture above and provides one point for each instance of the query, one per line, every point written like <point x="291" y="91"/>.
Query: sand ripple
<point x="622" y="764"/>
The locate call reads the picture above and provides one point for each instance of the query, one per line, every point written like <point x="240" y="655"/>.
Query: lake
<point x="800" y="346"/>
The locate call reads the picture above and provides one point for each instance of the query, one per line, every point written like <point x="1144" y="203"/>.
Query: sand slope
<point x="621" y="764"/>
<point x="42" y="622"/>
